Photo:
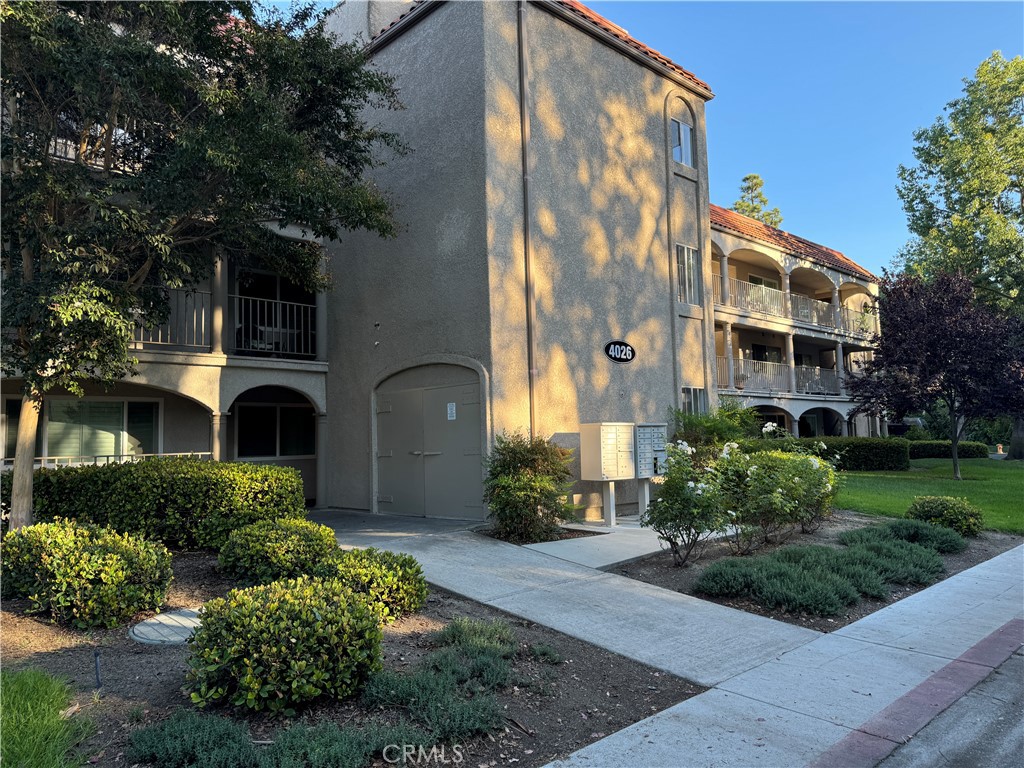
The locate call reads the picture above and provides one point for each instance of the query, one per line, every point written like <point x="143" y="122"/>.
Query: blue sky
<point x="822" y="98"/>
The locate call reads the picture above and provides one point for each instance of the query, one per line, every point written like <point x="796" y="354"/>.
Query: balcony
<point x="252" y="327"/>
<point x="760" y="377"/>
<point x="775" y="303"/>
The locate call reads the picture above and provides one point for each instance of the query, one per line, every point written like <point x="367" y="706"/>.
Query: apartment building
<point x="558" y="263"/>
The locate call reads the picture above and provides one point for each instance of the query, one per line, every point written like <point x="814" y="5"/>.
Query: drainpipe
<point x="524" y="127"/>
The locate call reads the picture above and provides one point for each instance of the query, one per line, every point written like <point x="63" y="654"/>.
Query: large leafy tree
<point x="143" y="141"/>
<point x="941" y="345"/>
<point x="753" y="202"/>
<point x="964" y="198"/>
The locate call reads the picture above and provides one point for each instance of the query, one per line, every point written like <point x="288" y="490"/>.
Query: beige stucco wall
<point x="422" y="297"/>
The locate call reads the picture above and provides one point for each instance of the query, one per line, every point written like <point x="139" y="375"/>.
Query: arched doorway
<point x="428" y="443"/>
<point x="821" y="422"/>
<point x="276" y="425"/>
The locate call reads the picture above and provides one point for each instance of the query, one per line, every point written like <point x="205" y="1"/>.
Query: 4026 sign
<point x="619" y="352"/>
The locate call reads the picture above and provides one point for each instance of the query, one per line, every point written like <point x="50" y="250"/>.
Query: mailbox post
<point x="607" y="454"/>
<point x="650" y="459"/>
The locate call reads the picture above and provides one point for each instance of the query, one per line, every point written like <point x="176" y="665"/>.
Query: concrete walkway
<point x="781" y="695"/>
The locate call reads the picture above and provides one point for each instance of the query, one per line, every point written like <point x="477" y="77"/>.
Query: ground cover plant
<point x="35" y="734"/>
<point x="994" y="487"/>
<point x="823" y="581"/>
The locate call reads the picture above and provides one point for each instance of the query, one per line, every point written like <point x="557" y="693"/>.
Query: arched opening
<point x="429" y="443"/>
<point x="753" y="281"/>
<point x="821" y="422"/>
<point x="811" y="297"/>
<point x="858" y="309"/>
<point x="275" y="425"/>
<point x="771" y="414"/>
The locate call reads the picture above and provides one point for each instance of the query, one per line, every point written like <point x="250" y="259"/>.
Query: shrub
<point x="943" y="449"/>
<point x="391" y="584"/>
<point x="952" y="512"/>
<point x="282" y="645"/>
<point x="938" y="537"/>
<point x="527" y="487"/>
<point x="184" y="503"/>
<point x="856" y="454"/>
<point x="768" y="494"/>
<point x="84" y="575"/>
<point x="686" y="513"/>
<point x="277" y="549"/>
<point x="707" y="432"/>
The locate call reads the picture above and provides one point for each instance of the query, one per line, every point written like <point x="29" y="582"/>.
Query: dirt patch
<point x="552" y="709"/>
<point x="658" y="569"/>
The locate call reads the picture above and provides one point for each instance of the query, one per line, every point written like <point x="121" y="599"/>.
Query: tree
<point x="941" y="345"/>
<point x="753" y="202"/>
<point x="143" y="141"/>
<point x="965" y="197"/>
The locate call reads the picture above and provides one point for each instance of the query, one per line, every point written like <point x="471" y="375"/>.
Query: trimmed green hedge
<point x="857" y="454"/>
<point x="282" y="645"/>
<point x="84" y="575"/>
<point x="277" y="549"/>
<point x="392" y="584"/>
<point x="185" y="503"/>
<point x="943" y="449"/>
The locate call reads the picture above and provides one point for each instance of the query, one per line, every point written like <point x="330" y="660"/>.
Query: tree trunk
<point x="1017" y="439"/>
<point x="24" y="464"/>
<point x="957" y="426"/>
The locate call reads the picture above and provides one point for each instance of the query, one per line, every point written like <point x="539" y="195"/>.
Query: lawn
<point x="995" y="487"/>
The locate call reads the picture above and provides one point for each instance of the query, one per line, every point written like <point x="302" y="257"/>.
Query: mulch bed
<point x="552" y="710"/>
<point x="659" y="570"/>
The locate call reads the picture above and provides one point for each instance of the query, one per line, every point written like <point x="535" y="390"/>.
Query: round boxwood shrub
<point x="277" y="549"/>
<point x="952" y="512"/>
<point x="281" y="645"/>
<point x="84" y="575"/>
<point x="391" y="583"/>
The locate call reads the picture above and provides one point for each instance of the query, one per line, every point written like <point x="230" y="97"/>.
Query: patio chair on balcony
<point x="250" y="339"/>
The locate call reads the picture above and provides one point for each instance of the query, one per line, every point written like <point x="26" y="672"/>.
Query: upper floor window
<point x="682" y="142"/>
<point x="688" y="265"/>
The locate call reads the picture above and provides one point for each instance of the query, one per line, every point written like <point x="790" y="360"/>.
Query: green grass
<point x="34" y="733"/>
<point x="995" y="487"/>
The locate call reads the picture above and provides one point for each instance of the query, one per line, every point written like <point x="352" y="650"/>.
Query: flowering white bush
<point x="772" y="492"/>
<point x="687" y="511"/>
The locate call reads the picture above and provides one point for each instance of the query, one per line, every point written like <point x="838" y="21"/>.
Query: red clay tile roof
<point x="784" y="241"/>
<point x="581" y="11"/>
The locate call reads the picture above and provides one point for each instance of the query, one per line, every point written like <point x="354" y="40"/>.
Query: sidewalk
<point x="780" y="695"/>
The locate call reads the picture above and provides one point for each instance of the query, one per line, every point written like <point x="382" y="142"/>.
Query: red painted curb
<point x="875" y="739"/>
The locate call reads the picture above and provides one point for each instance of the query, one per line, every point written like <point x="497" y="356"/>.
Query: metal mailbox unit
<point x="607" y="454"/>
<point x="651" y="457"/>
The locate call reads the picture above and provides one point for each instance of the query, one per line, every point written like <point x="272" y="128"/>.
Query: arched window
<point x="681" y="133"/>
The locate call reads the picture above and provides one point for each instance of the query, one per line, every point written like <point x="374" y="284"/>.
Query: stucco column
<point x="218" y="436"/>
<point x="724" y="262"/>
<point x="794" y="426"/>
<point x="844" y="427"/>
<point x="840" y="365"/>
<point x="787" y="308"/>
<point x="729" y="365"/>
<point x="836" y="315"/>
<point x="219" y="301"/>
<point x="884" y="423"/>
<point x="321" y="326"/>
<point x="321" y="459"/>
<point x="791" y="358"/>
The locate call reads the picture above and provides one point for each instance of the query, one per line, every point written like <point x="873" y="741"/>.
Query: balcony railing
<point x="770" y="301"/>
<point x="187" y="327"/>
<point x="265" y="327"/>
<point x="110" y="458"/>
<point x="763" y="377"/>
<point x="813" y="311"/>
<point x="262" y="327"/>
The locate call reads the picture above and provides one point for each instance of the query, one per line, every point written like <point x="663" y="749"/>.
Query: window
<point x="694" y="401"/>
<point x="83" y="429"/>
<point x="688" y="264"/>
<point x="765" y="354"/>
<point x="275" y="431"/>
<point x="682" y="142"/>
<point x="767" y="282"/>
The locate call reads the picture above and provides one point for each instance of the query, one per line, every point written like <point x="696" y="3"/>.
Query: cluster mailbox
<point x="606" y="451"/>
<point x="650" y="449"/>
